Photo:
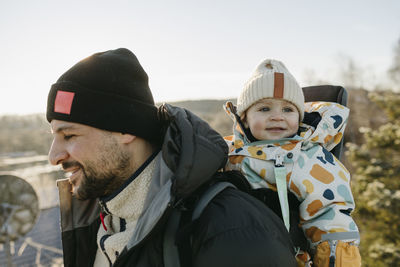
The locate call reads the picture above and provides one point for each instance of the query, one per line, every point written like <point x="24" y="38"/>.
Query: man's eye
<point x="68" y="137"/>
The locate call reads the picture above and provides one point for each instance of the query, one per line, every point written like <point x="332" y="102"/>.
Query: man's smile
<point x="73" y="178"/>
<point x="73" y="169"/>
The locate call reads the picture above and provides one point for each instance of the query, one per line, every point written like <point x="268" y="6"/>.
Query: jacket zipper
<point x="332" y="256"/>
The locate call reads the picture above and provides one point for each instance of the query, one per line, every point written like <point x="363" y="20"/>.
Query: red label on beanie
<point x="63" y="102"/>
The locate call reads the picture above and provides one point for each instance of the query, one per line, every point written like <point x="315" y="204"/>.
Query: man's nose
<point x="57" y="154"/>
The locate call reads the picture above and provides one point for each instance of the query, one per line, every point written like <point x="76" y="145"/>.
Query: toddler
<point x="289" y="166"/>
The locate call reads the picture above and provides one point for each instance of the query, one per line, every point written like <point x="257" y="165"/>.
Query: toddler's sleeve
<point x="325" y="210"/>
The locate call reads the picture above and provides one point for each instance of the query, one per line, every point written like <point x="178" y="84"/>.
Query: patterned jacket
<point x="313" y="174"/>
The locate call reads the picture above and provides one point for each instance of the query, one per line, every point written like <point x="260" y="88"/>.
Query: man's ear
<point x="126" y="138"/>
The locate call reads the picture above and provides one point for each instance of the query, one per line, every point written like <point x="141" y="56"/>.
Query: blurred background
<point x="198" y="55"/>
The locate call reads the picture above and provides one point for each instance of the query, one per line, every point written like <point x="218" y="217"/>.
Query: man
<point x="131" y="164"/>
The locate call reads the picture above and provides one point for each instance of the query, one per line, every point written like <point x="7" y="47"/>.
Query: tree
<point x="394" y="71"/>
<point x="376" y="185"/>
<point x="350" y="73"/>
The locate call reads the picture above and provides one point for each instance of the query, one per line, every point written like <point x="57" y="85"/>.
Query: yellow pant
<point x="347" y="255"/>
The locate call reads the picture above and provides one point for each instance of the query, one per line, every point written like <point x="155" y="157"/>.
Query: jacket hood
<point x="192" y="150"/>
<point x="324" y="124"/>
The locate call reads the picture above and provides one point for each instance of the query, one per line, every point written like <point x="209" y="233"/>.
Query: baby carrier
<point x="172" y="254"/>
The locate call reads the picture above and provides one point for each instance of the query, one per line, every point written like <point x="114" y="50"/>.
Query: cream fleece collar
<point x="123" y="212"/>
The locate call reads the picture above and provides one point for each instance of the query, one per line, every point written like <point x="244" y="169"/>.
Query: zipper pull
<point x="279" y="160"/>
<point x="102" y="220"/>
<point x="103" y="212"/>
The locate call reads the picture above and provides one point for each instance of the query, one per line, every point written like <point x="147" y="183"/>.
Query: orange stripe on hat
<point x="278" y="85"/>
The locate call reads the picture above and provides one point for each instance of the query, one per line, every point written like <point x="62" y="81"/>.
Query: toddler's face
<point x="272" y="119"/>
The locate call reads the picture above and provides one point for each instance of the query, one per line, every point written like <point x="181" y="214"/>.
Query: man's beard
<point x="104" y="175"/>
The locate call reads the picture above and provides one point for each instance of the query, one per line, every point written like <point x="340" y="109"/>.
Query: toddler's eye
<point x="288" y="109"/>
<point x="264" y="109"/>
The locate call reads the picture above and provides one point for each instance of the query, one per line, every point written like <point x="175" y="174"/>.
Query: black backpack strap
<point x="170" y="248"/>
<point x="207" y="196"/>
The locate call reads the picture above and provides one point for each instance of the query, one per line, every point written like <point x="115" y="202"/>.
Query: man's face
<point x="272" y="119"/>
<point x="94" y="158"/>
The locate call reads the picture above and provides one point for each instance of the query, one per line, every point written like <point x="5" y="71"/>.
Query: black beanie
<point x="109" y="91"/>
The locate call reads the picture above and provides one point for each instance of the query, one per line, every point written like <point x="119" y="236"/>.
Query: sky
<point x="192" y="49"/>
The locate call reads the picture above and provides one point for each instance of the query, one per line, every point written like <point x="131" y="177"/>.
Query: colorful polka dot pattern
<point x="314" y="175"/>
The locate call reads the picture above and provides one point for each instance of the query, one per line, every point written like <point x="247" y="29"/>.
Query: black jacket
<point x="235" y="229"/>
